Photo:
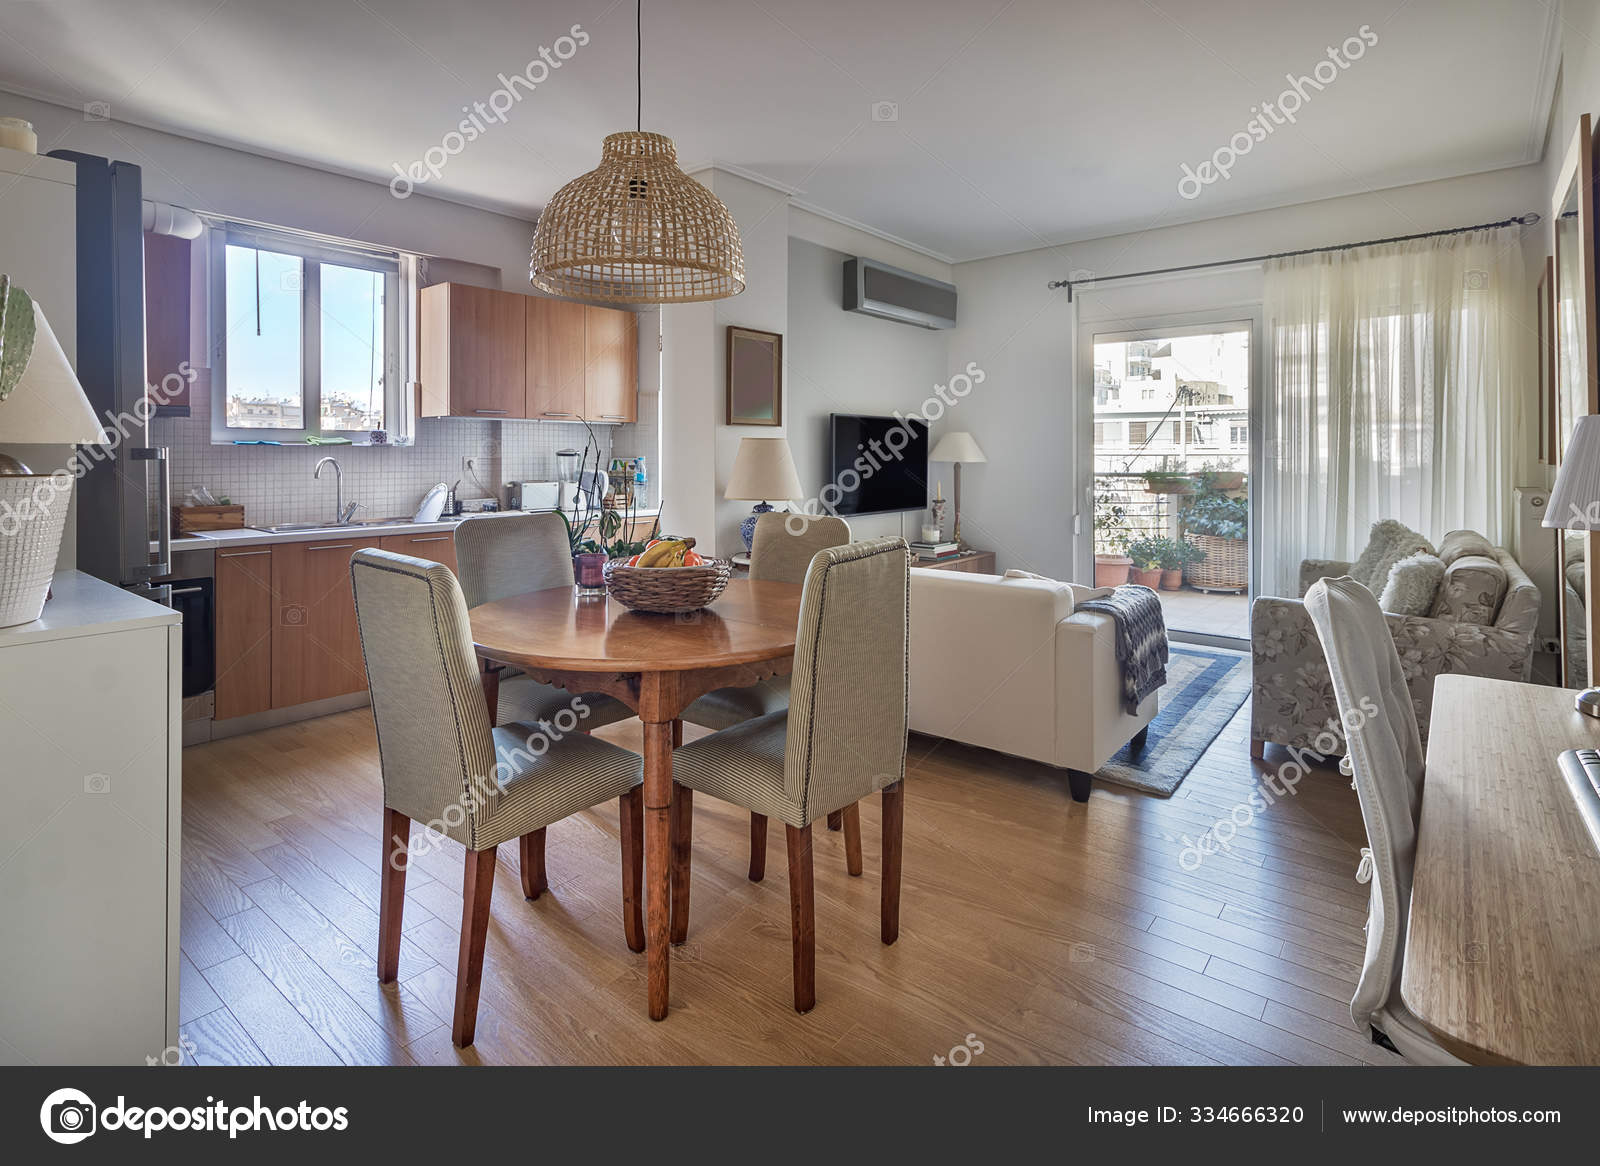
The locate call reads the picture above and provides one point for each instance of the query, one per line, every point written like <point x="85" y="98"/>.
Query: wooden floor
<point x="1051" y="932"/>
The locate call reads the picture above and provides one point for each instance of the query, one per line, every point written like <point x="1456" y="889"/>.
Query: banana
<point x="661" y="554"/>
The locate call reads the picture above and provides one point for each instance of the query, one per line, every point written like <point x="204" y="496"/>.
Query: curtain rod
<point x="1527" y="220"/>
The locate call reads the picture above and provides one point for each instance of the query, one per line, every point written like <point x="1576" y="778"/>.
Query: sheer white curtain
<point x="1396" y="372"/>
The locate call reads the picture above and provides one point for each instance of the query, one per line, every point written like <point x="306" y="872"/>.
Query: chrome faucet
<point x="339" y="516"/>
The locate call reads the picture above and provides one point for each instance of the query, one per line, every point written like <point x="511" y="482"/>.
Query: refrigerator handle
<point x="163" y="565"/>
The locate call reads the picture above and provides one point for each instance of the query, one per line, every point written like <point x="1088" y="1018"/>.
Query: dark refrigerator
<point x="124" y="501"/>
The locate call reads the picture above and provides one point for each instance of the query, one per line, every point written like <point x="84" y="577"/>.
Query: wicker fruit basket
<point x="1226" y="566"/>
<point x="667" y="590"/>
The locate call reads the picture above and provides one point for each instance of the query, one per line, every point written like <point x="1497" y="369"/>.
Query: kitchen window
<point x="307" y="337"/>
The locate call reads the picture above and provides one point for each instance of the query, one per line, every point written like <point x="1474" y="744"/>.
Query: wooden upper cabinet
<point x="167" y="279"/>
<point x="555" y="359"/>
<point x="611" y="365"/>
<point x="474" y="352"/>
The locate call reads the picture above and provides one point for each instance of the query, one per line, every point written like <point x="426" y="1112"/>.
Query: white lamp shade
<point x="763" y="471"/>
<point x="48" y="406"/>
<point x="1575" y="501"/>
<point x="957" y="447"/>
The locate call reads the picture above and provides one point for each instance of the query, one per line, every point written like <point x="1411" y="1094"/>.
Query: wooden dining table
<point x="656" y="665"/>
<point x="1502" y="959"/>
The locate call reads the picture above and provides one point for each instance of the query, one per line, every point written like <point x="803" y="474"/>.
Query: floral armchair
<point x="1476" y="627"/>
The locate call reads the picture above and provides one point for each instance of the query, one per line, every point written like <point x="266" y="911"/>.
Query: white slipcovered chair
<point x="1385" y="753"/>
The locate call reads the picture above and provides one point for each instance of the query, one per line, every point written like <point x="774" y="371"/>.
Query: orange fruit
<point x="693" y="559"/>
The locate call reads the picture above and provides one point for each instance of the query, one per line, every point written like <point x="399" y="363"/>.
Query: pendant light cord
<point x="638" y="64"/>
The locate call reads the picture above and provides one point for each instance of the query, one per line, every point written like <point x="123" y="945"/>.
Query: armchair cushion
<point x="1412" y="584"/>
<point x="1458" y="543"/>
<point x="1389" y="542"/>
<point x="1472" y="590"/>
<point x="1313" y="569"/>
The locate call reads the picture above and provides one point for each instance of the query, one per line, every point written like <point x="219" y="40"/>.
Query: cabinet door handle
<point x="614" y="416"/>
<point x="241" y="554"/>
<point x="332" y="547"/>
<point x="495" y="412"/>
<point x="549" y="414"/>
<point x="435" y="538"/>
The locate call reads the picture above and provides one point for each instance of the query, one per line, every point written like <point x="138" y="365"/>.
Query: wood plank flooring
<point x="1052" y="932"/>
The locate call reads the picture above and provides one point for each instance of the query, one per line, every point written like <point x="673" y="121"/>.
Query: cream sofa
<point x="1005" y="664"/>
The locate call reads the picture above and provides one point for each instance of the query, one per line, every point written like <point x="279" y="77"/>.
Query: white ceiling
<point x="1019" y="124"/>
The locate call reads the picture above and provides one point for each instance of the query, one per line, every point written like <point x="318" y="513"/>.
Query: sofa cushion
<point x="1389" y="542"/>
<point x="1472" y="590"/>
<point x="1412" y="584"/>
<point x="1464" y="542"/>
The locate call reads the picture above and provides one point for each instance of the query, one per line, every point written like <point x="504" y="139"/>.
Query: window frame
<point x="313" y="251"/>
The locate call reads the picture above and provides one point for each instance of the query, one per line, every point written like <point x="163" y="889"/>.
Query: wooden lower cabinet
<point x="316" y="646"/>
<point x="437" y="547"/>
<point x="244" y="631"/>
<point x="973" y="563"/>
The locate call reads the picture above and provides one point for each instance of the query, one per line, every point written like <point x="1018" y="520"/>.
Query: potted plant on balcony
<point x="1167" y="482"/>
<point x="1110" y="538"/>
<point x="1176" y="554"/>
<point x="1147" y="554"/>
<point x="1218" y="524"/>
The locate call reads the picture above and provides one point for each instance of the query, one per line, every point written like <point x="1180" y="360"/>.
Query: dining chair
<point x="1384" y="748"/>
<point x="781" y="550"/>
<point x="446" y="765"/>
<point x="842" y="737"/>
<point x="501" y="555"/>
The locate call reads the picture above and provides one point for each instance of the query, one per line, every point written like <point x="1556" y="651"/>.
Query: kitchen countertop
<point x="249" y="536"/>
<point x="82" y="605"/>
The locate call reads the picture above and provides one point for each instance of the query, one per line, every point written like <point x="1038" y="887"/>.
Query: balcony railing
<point x="1144" y="515"/>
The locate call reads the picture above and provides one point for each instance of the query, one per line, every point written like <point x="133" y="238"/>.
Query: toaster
<point x="533" y="495"/>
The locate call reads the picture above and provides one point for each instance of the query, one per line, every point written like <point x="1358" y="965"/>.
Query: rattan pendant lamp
<point x="636" y="229"/>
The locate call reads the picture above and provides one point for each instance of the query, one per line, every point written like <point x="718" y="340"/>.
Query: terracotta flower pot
<point x="1111" y="570"/>
<point x="1171" y="579"/>
<point x="1147" y="578"/>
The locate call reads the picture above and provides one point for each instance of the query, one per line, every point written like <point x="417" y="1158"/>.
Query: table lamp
<point x="763" y="469"/>
<point x="957" y="447"/>
<point x="41" y="403"/>
<point x="1575" y="505"/>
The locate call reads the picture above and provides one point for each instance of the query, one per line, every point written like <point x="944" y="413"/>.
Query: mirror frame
<point x="1578" y="169"/>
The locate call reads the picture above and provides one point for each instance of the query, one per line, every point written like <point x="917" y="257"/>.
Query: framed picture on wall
<point x="755" y="377"/>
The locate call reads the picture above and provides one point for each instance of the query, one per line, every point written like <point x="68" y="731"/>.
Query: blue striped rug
<point x="1205" y="687"/>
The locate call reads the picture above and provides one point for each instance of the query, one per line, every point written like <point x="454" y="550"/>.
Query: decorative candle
<point x="17" y="134"/>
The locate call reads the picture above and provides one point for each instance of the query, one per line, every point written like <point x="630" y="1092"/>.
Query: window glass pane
<point x="263" y="293"/>
<point x="352" y="348"/>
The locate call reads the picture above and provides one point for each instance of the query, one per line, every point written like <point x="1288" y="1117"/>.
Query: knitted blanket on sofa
<point x="1141" y="639"/>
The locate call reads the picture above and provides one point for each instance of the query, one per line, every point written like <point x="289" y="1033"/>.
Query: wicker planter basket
<point x="1226" y="566"/>
<point x="667" y="590"/>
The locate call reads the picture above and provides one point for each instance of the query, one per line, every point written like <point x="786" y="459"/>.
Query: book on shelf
<point x="935" y="548"/>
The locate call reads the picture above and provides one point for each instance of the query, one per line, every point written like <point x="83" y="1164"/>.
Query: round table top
<point x="558" y="629"/>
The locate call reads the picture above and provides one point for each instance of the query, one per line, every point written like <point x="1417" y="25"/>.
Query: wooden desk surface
<point x="1502" y="957"/>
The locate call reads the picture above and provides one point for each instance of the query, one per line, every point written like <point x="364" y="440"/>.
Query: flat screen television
<point x="879" y="465"/>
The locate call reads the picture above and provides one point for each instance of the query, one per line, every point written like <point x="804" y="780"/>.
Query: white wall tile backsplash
<point x="274" y="484"/>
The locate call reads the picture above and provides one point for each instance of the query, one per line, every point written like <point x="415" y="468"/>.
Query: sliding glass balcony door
<point x="1171" y="455"/>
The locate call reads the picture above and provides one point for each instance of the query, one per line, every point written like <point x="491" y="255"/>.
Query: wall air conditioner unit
<point x="876" y="289"/>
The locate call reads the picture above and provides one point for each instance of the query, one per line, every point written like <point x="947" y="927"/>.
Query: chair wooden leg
<point x="630" y="814"/>
<point x="392" y="892"/>
<point x="491" y="690"/>
<point x="894" y="816"/>
<point x="534" y="882"/>
<point x="836" y="820"/>
<point x="1258" y="749"/>
<point x="677" y="732"/>
<point x="802" y="918"/>
<point x="852" y="837"/>
<point x="476" y="889"/>
<point x="682" y="845"/>
<point x="758" y="847"/>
